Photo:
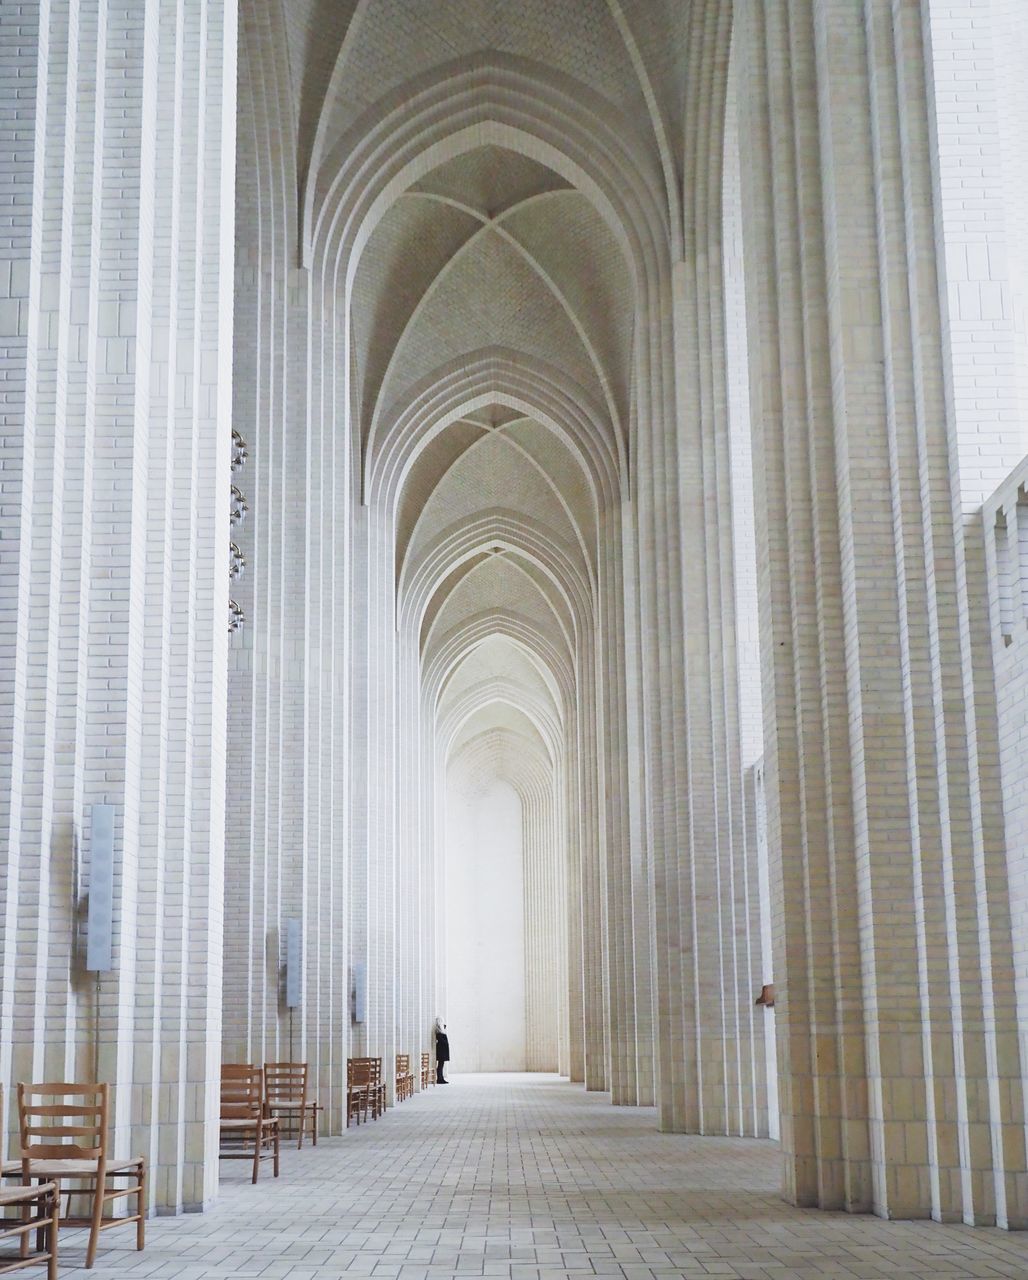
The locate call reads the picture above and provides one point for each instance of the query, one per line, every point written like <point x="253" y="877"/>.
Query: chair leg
<point x="299" y="1140"/>
<point x="41" y="1230"/>
<point x="141" y="1207"/>
<point x="97" y="1218"/>
<point x="256" y="1153"/>
<point x="23" y="1239"/>
<point x="54" y="1208"/>
<point x="314" y="1124"/>
<point x="276" y="1137"/>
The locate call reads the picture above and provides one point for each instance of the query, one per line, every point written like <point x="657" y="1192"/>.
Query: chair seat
<point x="268" y="1122"/>
<point x="69" y="1168"/>
<point x="290" y="1106"/>
<point x="18" y="1195"/>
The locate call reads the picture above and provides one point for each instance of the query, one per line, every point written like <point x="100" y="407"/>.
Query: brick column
<point x="899" y="1073"/>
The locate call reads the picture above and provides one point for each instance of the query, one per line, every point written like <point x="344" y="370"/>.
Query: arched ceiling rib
<point x="347" y="54"/>
<point x="396" y="41"/>
<point x="453" y="647"/>
<point x="489" y="181"/>
<point x="542" y="277"/>
<point x="499" y="655"/>
<point x="502" y="753"/>
<point x="502" y="582"/>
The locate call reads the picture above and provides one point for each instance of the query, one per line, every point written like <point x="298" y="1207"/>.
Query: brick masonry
<point x="622" y="384"/>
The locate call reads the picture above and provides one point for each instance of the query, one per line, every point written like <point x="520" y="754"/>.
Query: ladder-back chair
<point x="358" y="1089"/>
<point x="404" y="1077"/>
<point x="247" y="1133"/>
<point x="285" y="1088"/>
<point x="38" y="1211"/>
<point x="64" y="1131"/>
<point x="378" y="1089"/>
<point x="426" y="1070"/>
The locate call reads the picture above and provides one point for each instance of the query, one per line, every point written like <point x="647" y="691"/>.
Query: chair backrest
<point x="64" y="1121"/>
<point x="285" y="1082"/>
<point x="242" y="1091"/>
<point x="358" y="1071"/>
<point x="402" y="1065"/>
<point x="376" y="1070"/>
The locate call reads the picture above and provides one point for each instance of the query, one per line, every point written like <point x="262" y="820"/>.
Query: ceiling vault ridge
<point x="456" y="644"/>
<point x="513" y="515"/>
<point x="494" y="227"/>
<point x="509" y="102"/>
<point x="542" y="391"/>
<point x="460" y="543"/>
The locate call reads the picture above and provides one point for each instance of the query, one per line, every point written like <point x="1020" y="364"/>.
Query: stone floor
<point x="528" y="1178"/>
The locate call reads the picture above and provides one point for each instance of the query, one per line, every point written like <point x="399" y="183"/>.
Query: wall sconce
<point x="767" y="996"/>
<point x="240" y="453"/>
<point x="237" y="511"/>
<point x="236" y="560"/>
<point x="236" y="616"/>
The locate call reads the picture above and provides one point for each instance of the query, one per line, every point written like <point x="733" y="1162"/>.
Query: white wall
<point x="116" y="261"/>
<point x="485" y="929"/>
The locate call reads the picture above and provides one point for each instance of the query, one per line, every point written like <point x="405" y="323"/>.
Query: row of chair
<point x="365" y="1087"/>
<point x="256" y="1103"/>
<point x="405" y="1076"/>
<point x="63" y="1133"/>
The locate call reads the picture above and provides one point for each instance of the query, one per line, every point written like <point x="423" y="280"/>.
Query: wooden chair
<point x="66" y="1141"/>
<point x="285" y="1091"/>
<point x="426" y="1070"/>
<point x="40" y="1212"/>
<point x="377" y="1089"/>
<point x="404" y="1078"/>
<point x="246" y="1132"/>
<point x="358" y="1089"/>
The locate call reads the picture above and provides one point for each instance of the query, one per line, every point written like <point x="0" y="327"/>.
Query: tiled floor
<point x="527" y="1178"/>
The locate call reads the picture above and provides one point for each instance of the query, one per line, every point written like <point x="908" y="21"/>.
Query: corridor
<point x="530" y="1178"/>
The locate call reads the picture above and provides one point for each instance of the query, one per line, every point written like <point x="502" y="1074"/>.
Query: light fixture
<point x="239" y="450"/>
<point x="238" y="509"/>
<point x="236" y="560"/>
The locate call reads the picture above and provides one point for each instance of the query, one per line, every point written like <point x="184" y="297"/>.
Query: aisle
<point x="528" y="1178"/>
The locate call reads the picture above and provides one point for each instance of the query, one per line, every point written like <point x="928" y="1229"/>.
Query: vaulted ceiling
<point x="492" y="319"/>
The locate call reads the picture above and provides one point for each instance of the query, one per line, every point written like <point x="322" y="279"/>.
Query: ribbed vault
<point x="491" y="234"/>
<point x="484" y="262"/>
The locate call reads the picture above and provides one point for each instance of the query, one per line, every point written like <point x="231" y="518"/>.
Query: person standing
<point x="442" y="1050"/>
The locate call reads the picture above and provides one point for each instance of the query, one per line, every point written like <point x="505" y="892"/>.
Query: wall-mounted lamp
<point x="239" y="450"/>
<point x="237" y="511"/>
<point x="767" y="996"/>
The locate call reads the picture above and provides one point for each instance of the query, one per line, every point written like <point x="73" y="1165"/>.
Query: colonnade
<point x="606" y="436"/>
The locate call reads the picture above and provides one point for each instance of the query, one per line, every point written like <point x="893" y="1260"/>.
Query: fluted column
<point x="900" y="1076"/>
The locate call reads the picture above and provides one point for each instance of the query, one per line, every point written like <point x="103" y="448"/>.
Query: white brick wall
<point x="118" y="306"/>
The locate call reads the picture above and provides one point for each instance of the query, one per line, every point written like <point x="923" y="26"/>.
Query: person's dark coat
<point x="442" y="1047"/>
